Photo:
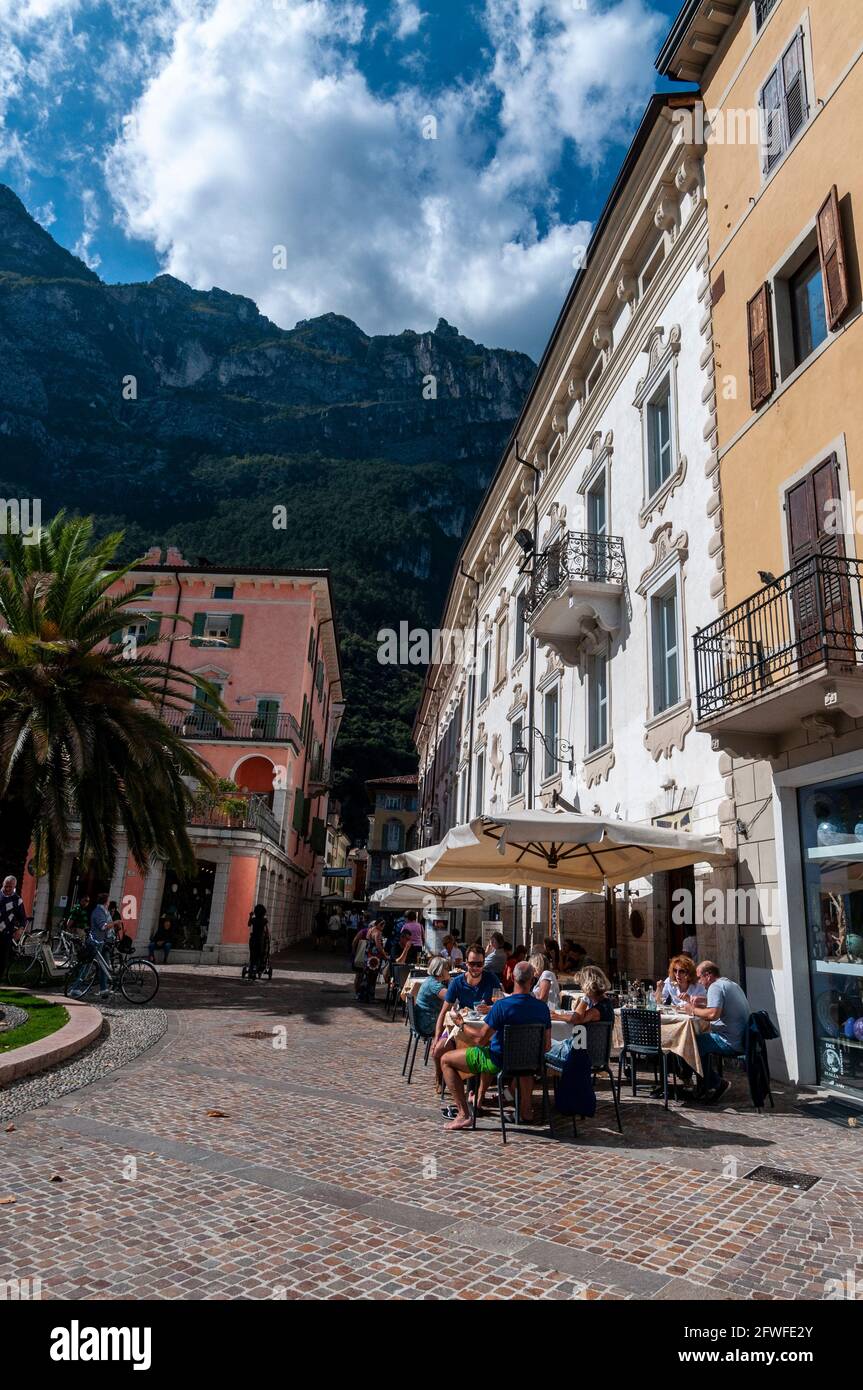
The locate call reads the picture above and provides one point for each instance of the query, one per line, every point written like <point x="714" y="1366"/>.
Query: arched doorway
<point x="254" y="776"/>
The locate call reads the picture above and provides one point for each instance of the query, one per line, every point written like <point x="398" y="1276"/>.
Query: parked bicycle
<point x="136" y="979"/>
<point x="35" y="959"/>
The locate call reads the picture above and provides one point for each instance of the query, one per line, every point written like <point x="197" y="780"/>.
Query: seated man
<point x="495" y="960"/>
<point x="727" y="1011"/>
<point x="486" y="1056"/>
<point x="472" y="990"/>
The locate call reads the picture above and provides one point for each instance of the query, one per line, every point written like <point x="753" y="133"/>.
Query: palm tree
<point x="81" y="738"/>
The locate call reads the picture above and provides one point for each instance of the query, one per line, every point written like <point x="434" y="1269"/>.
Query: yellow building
<point x="391" y="826"/>
<point x="779" y="674"/>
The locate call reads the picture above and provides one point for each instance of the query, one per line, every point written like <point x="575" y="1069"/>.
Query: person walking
<point x="99" y="936"/>
<point x="13" y="918"/>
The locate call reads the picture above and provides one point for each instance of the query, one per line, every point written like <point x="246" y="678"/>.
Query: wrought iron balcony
<point x="246" y="726"/>
<point x="236" y="813"/>
<point x="575" y="596"/>
<point x="788" y="653"/>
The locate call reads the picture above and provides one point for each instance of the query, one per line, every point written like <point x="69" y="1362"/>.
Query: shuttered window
<point x="784" y="103"/>
<point x="760" y="348"/>
<point x="834" y="267"/>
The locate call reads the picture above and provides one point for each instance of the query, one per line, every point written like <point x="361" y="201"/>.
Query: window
<point x="762" y="12"/>
<point x="597" y="527"/>
<point x="659" y="462"/>
<point x="649" y="272"/>
<point x="479" y="794"/>
<point x="312" y="647"/>
<point x="666" y="668"/>
<point x="392" y="803"/>
<point x="217" y="629"/>
<point x="502" y="646"/>
<point x="784" y="104"/>
<point x="520" y="623"/>
<point x="593" y="377"/>
<point x="597" y="702"/>
<point x="223" y="591"/>
<point x="393" y="838"/>
<point x="267" y="718"/>
<point x="550" y="730"/>
<point x="808" y="315"/>
<point x="516" y="781"/>
<point x="483" y="671"/>
<point x="463" y="813"/>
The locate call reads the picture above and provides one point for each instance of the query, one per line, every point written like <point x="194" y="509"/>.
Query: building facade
<point x="267" y="641"/>
<point x="779" y="671"/>
<point x="588" y="568"/>
<point x="392" y="827"/>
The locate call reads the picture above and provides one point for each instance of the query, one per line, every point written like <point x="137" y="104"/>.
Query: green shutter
<point x="198" y="629"/>
<point x="116" y="637"/>
<point x="318" y="836"/>
<point x="307" y="811"/>
<point x="153" y="627"/>
<point x="297" y="817"/>
<point x="235" y="629"/>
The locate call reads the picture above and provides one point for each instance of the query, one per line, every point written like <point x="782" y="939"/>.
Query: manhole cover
<point x="782" y="1177"/>
<point x="258" y="1033"/>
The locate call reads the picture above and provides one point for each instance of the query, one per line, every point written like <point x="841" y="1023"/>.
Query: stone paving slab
<point x="326" y="1176"/>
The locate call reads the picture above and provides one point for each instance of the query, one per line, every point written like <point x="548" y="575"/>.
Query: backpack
<point x="573" y="1089"/>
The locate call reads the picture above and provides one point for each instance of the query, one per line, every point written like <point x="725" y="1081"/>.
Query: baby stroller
<point x="368" y="982"/>
<point x="259" y="948"/>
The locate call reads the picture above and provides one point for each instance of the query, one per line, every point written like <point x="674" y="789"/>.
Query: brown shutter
<point x="760" y="348"/>
<point x="834" y="268"/>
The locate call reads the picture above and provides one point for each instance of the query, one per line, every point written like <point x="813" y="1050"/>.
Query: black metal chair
<point x="523" y="1054"/>
<point x="642" y="1041"/>
<point x="598" y="1045"/>
<point x="415" y="1037"/>
<point x="755" y="1059"/>
<point x="395" y="985"/>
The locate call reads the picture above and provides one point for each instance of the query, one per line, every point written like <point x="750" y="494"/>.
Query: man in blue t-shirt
<point x="727" y="1011"/>
<point x="484" y="1059"/>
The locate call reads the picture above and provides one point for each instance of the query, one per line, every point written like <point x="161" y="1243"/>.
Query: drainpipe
<point x="531" y="697"/>
<point x="170" y="644"/>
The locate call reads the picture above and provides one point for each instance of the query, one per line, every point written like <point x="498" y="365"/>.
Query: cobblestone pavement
<point x="323" y="1174"/>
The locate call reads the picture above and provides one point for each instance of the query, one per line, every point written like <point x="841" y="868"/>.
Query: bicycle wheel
<point x="83" y="979"/>
<point x="139" y="981"/>
<point x="25" y="971"/>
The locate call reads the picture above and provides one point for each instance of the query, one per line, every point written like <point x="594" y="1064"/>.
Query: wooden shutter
<point x="834" y="266"/>
<point x="198" y="622"/>
<point x="760" y="348"/>
<point x="297" y="817"/>
<point x="153" y="628"/>
<point x="794" y="86"/>
<point x="116" y="637"/>
<point x="821" y="598"/>
<point x="235" y="629"/>
<point x="772" y="125"/>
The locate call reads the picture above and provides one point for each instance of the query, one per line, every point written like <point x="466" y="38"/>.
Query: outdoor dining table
<point x="678" y="1033"/>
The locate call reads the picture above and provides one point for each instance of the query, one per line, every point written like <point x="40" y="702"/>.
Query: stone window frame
<point x="662" y="363"/>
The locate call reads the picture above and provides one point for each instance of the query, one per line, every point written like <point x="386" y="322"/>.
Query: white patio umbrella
<point x="561" y="849"/>
<point x="416" y="892"/>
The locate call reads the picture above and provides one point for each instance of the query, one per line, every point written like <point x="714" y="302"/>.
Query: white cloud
<point x="90" y="217"/>
<point x="260" y="130"/>
<point x="407" y="18"/>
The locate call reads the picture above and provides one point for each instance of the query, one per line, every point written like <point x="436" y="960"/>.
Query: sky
<point x="395" y="161"/>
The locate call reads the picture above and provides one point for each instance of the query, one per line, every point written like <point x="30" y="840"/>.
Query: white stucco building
<point x="590" y="564"/>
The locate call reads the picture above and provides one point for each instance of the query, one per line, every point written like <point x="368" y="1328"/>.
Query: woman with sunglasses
<point x="680" y="983"/>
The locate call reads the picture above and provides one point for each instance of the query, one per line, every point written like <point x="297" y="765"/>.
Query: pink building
<point x="268" y="641"/>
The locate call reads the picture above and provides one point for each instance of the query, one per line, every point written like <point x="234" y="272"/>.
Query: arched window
<point x="394" y="837"/>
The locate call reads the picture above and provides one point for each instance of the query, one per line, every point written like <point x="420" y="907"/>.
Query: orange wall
<point x="753" y="226"/>
<point x="242" y="887"/>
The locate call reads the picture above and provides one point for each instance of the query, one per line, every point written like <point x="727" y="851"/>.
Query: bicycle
<point x="26" y="966"/>
<point x="136" y="979"/>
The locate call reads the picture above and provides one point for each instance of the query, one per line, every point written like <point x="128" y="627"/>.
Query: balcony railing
<point x="808" y="619"/>
<point x="255" y="814"/>
<point x="576" y="557"/>
<point x="245" y="727"/>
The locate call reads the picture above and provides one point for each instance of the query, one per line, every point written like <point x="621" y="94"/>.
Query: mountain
<point x="186" y="416"/>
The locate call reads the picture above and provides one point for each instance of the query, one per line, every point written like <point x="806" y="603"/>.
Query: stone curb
<point x="85" y="1024"/>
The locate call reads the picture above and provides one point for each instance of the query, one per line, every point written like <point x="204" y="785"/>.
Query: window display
<point x="831" y="829"/>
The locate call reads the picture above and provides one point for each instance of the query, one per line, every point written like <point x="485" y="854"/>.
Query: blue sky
<point x="281" y="148"/>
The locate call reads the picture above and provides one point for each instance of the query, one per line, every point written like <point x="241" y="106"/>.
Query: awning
<point x="417" y="892"/>
<point x="561" y="849"/>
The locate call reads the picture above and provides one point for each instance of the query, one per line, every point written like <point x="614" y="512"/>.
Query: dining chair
<point x="397" y="980"/>
<point x="415" y="1037"/>
<point x="523" y="1054"/>
<point x="642" y="1039"/>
